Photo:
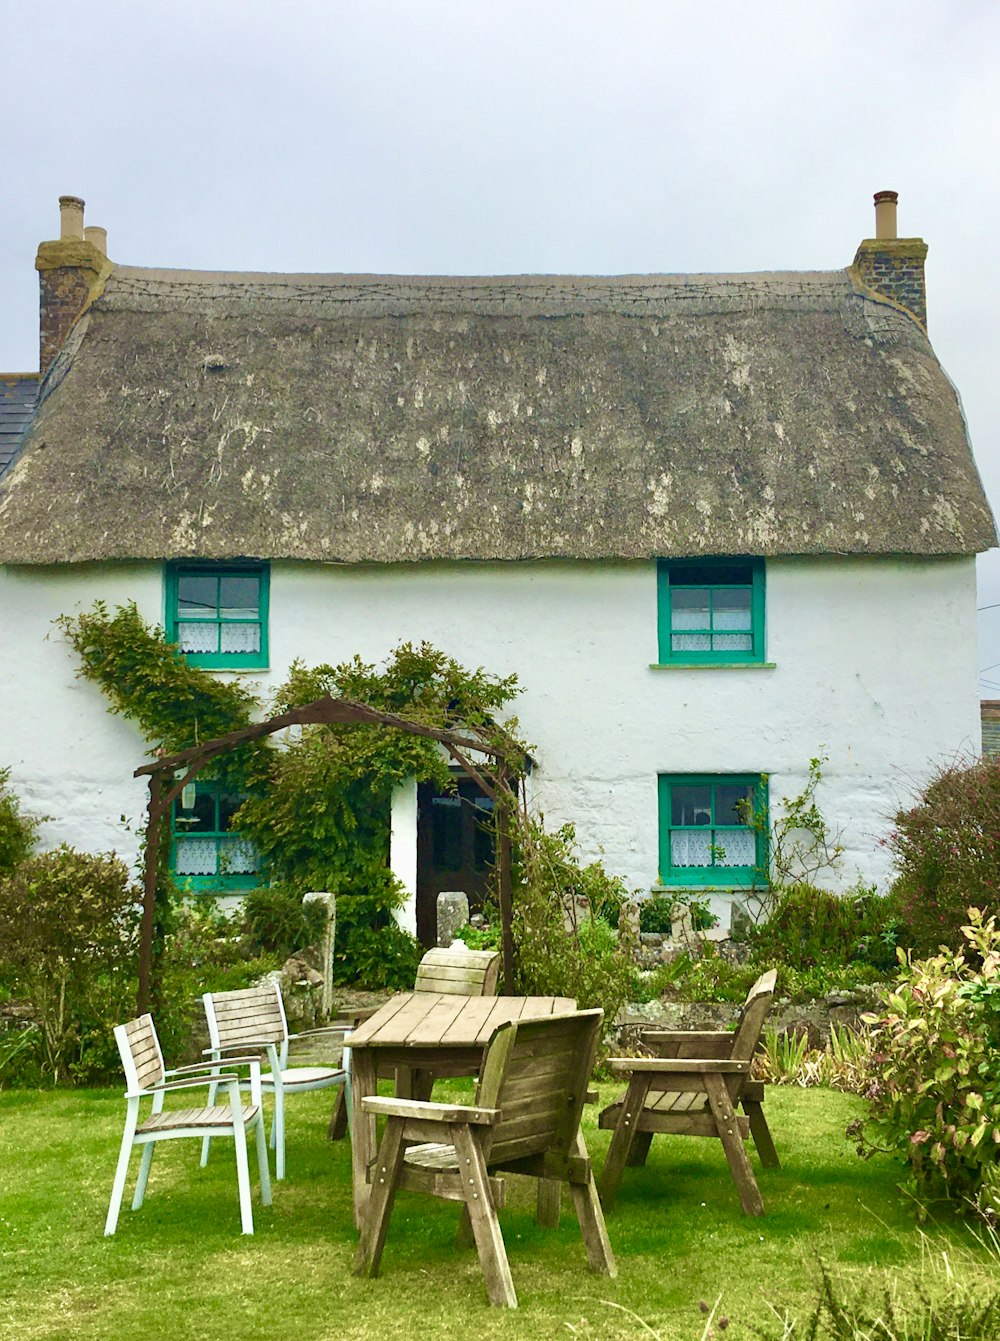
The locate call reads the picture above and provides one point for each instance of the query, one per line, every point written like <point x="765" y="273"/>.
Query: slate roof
<point x="18" y="393"/>
<point x="378" y="419"/>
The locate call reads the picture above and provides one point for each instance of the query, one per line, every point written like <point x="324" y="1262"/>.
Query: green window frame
<point x="206" y="853"/>
<point x="710" y="611"/>
<point x="217" y="613"/>
<point x="707" y="836"/>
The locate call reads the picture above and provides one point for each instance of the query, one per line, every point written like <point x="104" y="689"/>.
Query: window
<point x="205" y="852"/>
<point x="217" y="613"/>
<point x="707" y="830"/>
<point x="711" y="612"/>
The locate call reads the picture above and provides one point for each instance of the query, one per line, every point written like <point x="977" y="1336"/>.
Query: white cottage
<point x="716" y="524"/>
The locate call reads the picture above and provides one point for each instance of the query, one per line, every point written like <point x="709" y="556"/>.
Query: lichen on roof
<point x="378" y="419"/>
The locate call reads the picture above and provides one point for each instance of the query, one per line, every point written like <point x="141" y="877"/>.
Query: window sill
<point x="708" y="889"/>
<point x="713" y="665"/>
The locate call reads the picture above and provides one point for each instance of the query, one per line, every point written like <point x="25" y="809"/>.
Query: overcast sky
<point x="511" y="136"/>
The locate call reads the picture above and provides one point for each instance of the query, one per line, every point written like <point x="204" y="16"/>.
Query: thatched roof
<point x="381" y="418"/>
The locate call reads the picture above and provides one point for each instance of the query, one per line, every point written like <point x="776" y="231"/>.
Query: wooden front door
<point x="454" y="849"/>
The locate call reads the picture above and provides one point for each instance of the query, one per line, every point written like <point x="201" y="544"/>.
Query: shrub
<point x="655" y="914"/>
<point x="17" y="830"/>
<point x="812" y="928"/>
<point x="947" y="850"/>
<point x="565" y="942"/>
<point x="68" y="934"/>
<point x="934" y="1087"/>
<point x="277" y="922"/>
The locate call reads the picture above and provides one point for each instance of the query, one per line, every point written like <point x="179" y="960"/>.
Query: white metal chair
<point x="253" y="1020"/>
<point x="146" y="1077"/>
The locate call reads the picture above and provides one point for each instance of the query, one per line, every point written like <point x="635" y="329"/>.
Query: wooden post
<point x="508" y="800"/>
<point x="150" y="877"/>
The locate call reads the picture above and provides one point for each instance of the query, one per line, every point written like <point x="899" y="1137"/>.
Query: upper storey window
<point x="217" y="613"/>
<point x="711" y="611"/>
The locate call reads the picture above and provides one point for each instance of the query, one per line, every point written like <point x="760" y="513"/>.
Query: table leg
<point x="363" y="1082"/>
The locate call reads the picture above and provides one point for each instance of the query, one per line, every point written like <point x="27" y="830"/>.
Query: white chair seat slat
<point x="217" y="1116"/>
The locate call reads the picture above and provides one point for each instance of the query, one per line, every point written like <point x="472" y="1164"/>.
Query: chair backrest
<point x="139" y="1049"/>
<point x="752" y="1016"/>
<point x="459" y="972"/>
<point x="250" y="1016"/>
<point x="536" y="1072"/>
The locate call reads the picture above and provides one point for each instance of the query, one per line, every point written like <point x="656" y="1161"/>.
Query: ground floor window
<point x="711" y="829"/>
<point x="205" y="851"/>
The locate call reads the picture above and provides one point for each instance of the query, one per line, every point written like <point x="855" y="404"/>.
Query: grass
<point x="180" y="1268"/>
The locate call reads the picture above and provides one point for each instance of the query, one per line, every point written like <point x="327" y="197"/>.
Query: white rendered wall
<point x="875" y="662"/>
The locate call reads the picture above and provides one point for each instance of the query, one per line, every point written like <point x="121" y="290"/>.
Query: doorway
<point x="455" y="849"/>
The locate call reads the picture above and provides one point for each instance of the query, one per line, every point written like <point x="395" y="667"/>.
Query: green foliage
<point x="17" y="830"/>
<point x="147" y="680"/>
<point x="656" y="914"/>
<point x="68" y="934"/>
<point x="277" y="922"/>
<point x="566" y="945"/>
<point x="947" y="850"/>
<point x="812" y="928"/>
<point x="934" y="1087"/>
<point x="918" y="1305"/>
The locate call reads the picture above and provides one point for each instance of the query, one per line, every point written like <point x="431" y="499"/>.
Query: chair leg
<point x="639" y="1153"/>
<point x="121" y="1173"/>
<point x="732" y="1142"/>
<point x="207" y="1141"/>
<point x="622" y="1139"/>
<point x="483" y="1218"/>
<point x="378" y="1209"/>
<point x="761" y="1134"/>
<point x="547" y="1210"/>
<point x="592" y="1227"/>
<point x="143" y="1179"/>
<point x="263" y="1168"/>
<point x="339" y="1122"/>
<point x="243" y="1177"/>
<point x="278" y="1132"/>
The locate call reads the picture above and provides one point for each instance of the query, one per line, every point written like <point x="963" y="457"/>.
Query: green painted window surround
<point x="205" y="853"/>
<point x="710" y="612"/>
<point x="217" y="613"/>
<point x="704" y="837"/>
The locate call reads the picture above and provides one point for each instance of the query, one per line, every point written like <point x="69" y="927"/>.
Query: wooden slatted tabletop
<point x="416" y="1030"/>
<point x="421" y="1019"/>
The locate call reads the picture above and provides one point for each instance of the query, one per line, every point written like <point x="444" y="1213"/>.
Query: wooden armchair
<point x="525" y="1119"/>
<point x="146" y="1077"/>
<point x="692" y="1087"/>
<point x="253" y="1020"/>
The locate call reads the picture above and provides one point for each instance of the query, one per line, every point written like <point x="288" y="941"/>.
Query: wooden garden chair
<point x="525" y="1119"/>
<point x="693" y="1087"/>
<point x="146" y="1077"/>
<point x="253" y="1020"/>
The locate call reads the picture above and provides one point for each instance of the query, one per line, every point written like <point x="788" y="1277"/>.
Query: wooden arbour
<point x="170" y="773"/>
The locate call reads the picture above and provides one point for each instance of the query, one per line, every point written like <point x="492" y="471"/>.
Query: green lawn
<point x="180" y="1269"/>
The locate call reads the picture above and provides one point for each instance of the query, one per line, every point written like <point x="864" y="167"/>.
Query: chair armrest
<point x="187" y="1083"/>
<point x="326" y="1029"/>
<point x="261" y="1043"/>
<point x="678" y="1065"/>
<point x="430" y="1112"/>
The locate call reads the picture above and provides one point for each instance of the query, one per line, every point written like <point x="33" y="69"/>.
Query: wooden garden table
<point x="424" y="1031"/>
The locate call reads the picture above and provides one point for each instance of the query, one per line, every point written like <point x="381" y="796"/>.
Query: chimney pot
<point x="71" y="218"/>
<point x="885" y="213"/>
<point x="97" y="237"/>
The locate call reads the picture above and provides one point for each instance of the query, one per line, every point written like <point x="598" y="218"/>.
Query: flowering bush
<point x="934" y="1069"/>
<point x="947" y="849"/>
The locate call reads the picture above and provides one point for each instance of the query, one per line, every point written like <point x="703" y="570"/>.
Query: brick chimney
<point x="894" y="266"/>
<point x="71" y="274"/>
